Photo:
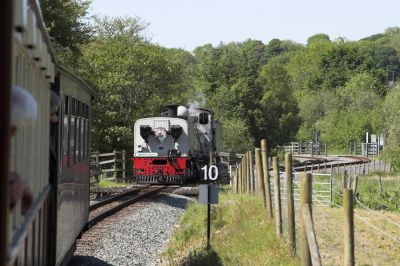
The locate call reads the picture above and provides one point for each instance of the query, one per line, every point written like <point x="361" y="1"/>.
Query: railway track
<point x="322" y="162"/>
<point x="134" y="235"/>
<point x="105" y="208"/>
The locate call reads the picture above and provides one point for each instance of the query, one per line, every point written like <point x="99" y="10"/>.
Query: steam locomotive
<point x="172" y="148"/>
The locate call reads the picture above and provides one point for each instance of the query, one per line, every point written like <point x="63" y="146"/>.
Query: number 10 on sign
<point x="210" y="173"/>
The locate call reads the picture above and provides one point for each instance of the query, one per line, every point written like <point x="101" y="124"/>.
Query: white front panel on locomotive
<point x="160" y="141"/>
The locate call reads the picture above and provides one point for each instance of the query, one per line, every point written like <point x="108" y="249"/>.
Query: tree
<point x="276" y="119"/>
<point x="236" y="135"/>
<point x="391" y="116"/>
<point x="68" y="29"/>
<point x="278" y="47"/>
<point x="352" y="112"/>
<point x="313" y="107"/>
<point x="320" y="37"/>
<point x="133" y="77"/>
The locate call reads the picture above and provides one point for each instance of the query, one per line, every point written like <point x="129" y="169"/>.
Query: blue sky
<point x="188" y="23"/>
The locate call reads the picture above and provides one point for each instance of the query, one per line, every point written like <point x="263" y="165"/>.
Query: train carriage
<point x="46" y="234"/>
<point x="73" y="155"/>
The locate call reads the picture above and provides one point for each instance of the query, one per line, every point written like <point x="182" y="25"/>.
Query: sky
<point x="188" y="24"/>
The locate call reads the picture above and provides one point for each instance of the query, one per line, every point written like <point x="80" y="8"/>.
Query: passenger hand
<point x="19" y="190"/>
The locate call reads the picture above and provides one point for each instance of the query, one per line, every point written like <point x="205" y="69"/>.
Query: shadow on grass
<point x="203" y="257"/>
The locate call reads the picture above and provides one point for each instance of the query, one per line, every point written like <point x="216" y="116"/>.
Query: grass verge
<point x="240" y="235"/>
<point x="109" y="183"/>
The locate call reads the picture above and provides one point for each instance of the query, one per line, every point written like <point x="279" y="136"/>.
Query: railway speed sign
<point x="210" y="172"/>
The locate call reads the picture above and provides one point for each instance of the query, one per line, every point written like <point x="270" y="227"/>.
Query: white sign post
<point x="208" y="194"/>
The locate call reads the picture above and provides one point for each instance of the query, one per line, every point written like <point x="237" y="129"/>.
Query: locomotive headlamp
<point x="176" y="131"/>
<point x="145" y="132"/>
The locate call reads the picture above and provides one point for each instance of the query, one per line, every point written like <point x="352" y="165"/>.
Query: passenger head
<point x="23" y="109"/>
<point x="54" y="105"/>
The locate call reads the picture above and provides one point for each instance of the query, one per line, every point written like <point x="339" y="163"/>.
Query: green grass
<point x="374" y="194"/>
<point x="241" y="235"/>
<point x="109" y="183"/>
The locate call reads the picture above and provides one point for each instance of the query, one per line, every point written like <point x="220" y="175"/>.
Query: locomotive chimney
<point x="172" y="110"/>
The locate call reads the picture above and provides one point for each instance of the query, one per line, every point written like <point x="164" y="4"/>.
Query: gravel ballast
<point x="135" y="236"/>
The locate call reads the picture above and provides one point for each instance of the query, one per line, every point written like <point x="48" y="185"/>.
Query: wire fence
<point x="376" y="234"/>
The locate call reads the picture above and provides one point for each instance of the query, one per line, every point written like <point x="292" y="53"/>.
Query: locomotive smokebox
<point x="172" y="110"/>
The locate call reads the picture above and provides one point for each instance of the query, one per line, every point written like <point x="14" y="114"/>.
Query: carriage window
<point x="82" y="139"/>
<point x="85" y="133"/>
<point x="78" y="131"/>
<point x="66" y="105"/>
<point x="88" y="132"/>
<point x="72" y="133"/>
<point x="65" y="147"/>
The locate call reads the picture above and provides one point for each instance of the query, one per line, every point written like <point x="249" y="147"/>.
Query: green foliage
<point x="280" y="91"/>
<point x="133" y="78"/>
<point x="240" y="93"/>
<point x="391" y="113"/>
<point x="237" y="136"/>
<point x="277" y="115"/>
<point x="372" y="193"/>
<point x="68" y="29"/>
<point x="320" y="37"/>
<point x="108" y="183"/>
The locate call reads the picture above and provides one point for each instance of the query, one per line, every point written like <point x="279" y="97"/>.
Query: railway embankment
<point x="240" y="235"/>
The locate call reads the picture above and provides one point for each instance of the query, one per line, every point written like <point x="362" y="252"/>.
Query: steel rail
<point x="114" y="198"/>
<point x="120" y="206"/>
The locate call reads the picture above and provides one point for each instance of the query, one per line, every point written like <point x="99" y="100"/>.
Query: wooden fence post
<point x="290" y="205"/>
<point x="311" y="237"/>
<point x="235" y="178"/>
<point x="331" y="189"/>
<point x="251" y="169"/>
<point x="344" y="180"/>
<point x="260" y="175"/>
<point x="239" y="178"/>
<point x="264" y="157"/>
<point x="97" y="154"/>
<point x="248" y="185"/>
<point x="355" y="184"/>
<point x="123" y="166"/>
<point x="244" y="176"/>
<point x="115" y="165"/>
<point x="305" y="199"/>
<point x="241" y="175"/>
<point x="348" y="227"/>
<point x="244" y="173"/>
<point x="277" y="197"/>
